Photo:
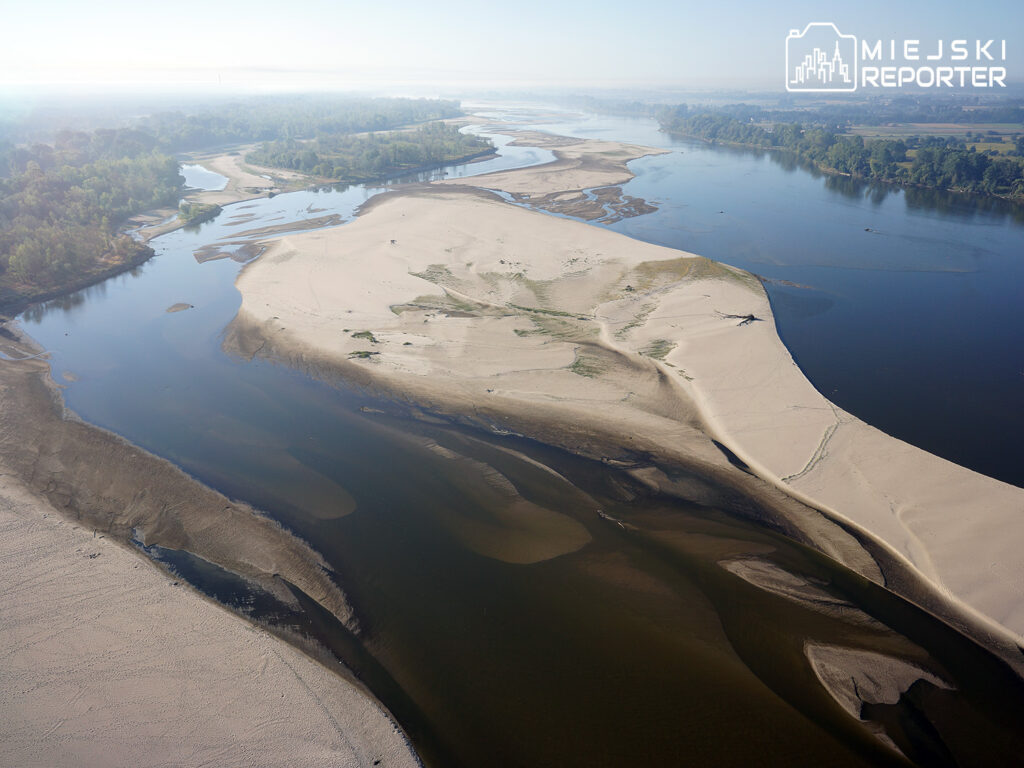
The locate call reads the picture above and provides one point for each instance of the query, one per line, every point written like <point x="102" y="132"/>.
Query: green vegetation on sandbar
<point x="658" y="348"/>
<point x="552" y="312"/>
<point x="361" y="157"/>
<point x="195" y="213"/>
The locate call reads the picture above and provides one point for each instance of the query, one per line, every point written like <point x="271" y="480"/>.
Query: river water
<point x="640" y="648"/>
<point x="914" y="326"/>
<point x="198" y="177"/>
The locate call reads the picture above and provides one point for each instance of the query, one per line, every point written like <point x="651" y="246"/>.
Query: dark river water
<point x="640" y="648"/>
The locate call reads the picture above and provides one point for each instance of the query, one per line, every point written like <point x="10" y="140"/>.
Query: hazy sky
<point x="229" y="43"/>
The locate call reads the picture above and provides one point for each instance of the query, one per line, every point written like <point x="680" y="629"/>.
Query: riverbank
<point x="615" y="349"/>
<point x="245" y="181"/>
<point x="109" y="661"/>
<point x="829" y="171"/>
<point x="14" y="299"/>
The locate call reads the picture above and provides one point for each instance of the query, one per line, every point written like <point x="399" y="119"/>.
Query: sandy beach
<point x="245" y="181"/>
<point x="616" y="349"/>
<point x="108" y="661"/>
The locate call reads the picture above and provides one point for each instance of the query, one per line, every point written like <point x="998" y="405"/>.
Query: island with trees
<point x="364" y="157"/>
<point x="65" y="195"/>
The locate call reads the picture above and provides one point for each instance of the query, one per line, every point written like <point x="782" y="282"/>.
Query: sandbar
<point x="612" y="348"/>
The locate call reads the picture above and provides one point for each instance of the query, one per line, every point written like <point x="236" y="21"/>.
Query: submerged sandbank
<point x="107" y="660"/>
<point x="618" y="349"/>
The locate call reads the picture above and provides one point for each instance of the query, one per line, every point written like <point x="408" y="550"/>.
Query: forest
<point x="65" y="194"/>
<point x="276" y="118"/>
<point x="928" y="161"/>
<point x="61" y="207"/>
<point x="362" y="157"/>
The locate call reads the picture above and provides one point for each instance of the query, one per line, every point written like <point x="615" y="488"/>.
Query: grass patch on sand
<point x="438" y="274"/>
<point x="586" y="365"/>
<point x="550" y="312"/>
<point x="448" y="304"/>
<point x="659" y="274"/>
<point x="561" y="329"/>
<point x="658" y="349"/>
<point x="639" y="319"/>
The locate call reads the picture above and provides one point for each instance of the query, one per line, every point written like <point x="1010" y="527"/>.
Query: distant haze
<point x="340" y="44"/>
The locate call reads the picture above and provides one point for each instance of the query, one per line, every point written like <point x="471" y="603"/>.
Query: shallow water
<point x="198" y="177"/>
<point x="638" y="648"/>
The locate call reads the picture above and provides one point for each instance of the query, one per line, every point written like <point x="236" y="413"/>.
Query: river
<point x="641" y="648"/>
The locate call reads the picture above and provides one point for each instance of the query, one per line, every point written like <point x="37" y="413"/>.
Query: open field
<point x="898" y="130"/>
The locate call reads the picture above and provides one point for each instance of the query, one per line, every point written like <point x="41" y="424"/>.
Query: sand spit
<point x="579" y="164"/>
<point x="858" y="679"/>
<point x="559" y="186"/>
<point x="617" y="349"/>
<point x="245" y="181"/>
<point x="110" y="486"/>
<point x="107" y="661"/>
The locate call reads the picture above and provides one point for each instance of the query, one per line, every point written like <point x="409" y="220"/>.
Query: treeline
<point x="836" y="114"/>
<point x="61" y="206"/>
<point x="960" y="110"/>
<point x="371" y="156"/>
<point x="262" y="119"/>
<point x="290" y="117"/>
<point x="941" y="163"/>
<point x="62" y="202"/>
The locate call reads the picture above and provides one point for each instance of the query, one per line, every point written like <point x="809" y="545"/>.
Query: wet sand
<point x="108" y="661"/>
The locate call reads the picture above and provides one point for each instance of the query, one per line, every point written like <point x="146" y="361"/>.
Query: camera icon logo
<point x="821" y="59"/>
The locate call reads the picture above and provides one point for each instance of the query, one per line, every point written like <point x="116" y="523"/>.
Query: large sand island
<point x="452" y="296"/>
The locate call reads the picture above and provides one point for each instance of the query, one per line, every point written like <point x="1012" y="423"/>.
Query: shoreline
<point x="69" y="478"/>
<point x="550" y="322"/>
<point x="76" y="674"/>
<point x="833" y="172"/>
<point x="15" y="307"/>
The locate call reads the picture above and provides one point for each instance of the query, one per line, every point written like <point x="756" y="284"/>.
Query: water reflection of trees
<point x="961" y="205"/>
<point x="71" y="301"/>
<point x="37" y="312"/>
